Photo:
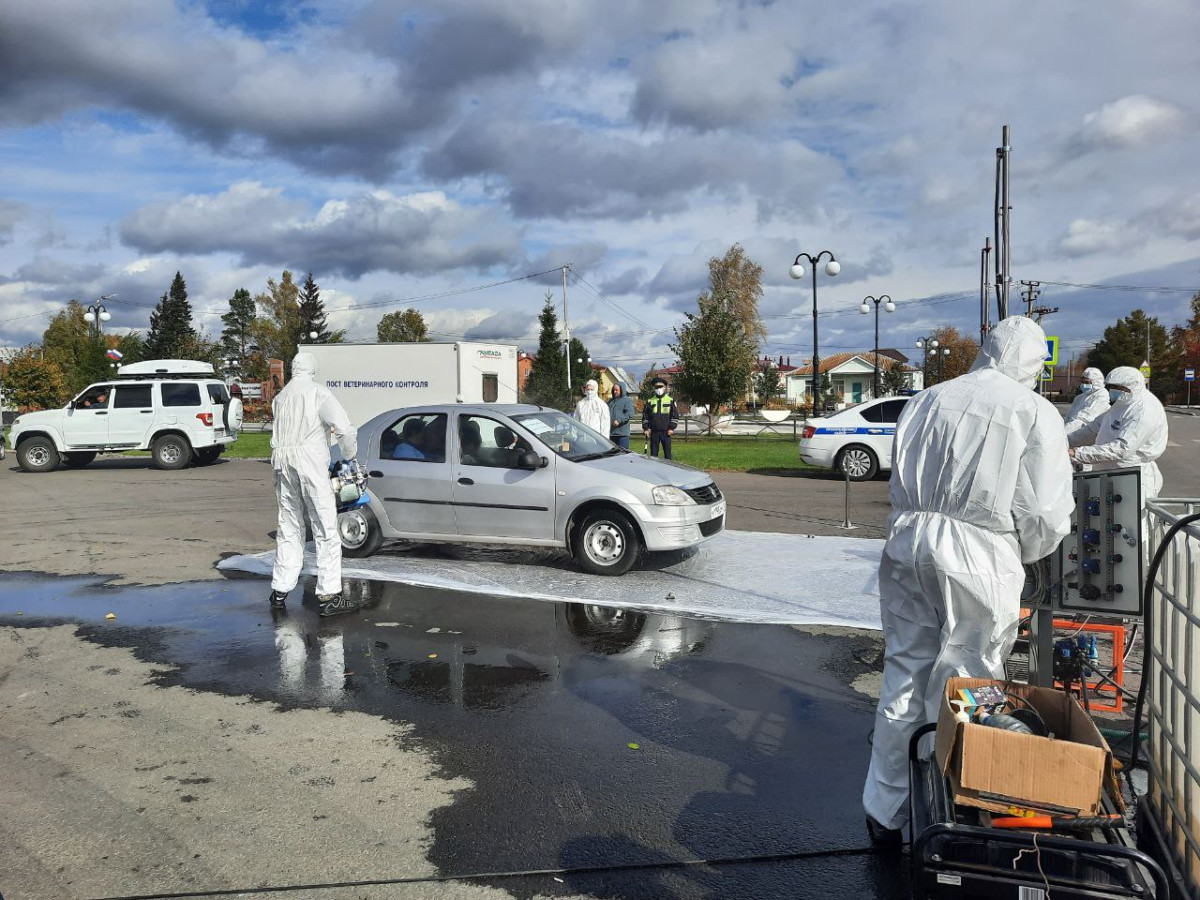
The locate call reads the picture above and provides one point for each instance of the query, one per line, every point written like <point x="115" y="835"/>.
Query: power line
<point x="1143" y="289"/>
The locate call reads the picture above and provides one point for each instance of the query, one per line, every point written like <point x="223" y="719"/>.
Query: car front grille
<point x="707" y="493"/>
<point x="712" y="526"/>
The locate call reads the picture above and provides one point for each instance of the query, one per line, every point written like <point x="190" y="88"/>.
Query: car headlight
<point x="669" y="495"/>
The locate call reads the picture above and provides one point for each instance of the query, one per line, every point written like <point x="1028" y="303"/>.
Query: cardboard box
<point x="993" y="769"/>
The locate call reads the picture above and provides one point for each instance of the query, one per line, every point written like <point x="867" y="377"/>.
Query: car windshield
<point x="567" y="437"/>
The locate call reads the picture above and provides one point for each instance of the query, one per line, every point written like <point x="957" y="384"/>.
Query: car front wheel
<point x="605" y="542"/>
<point x="38" y="454"/>
<point x="171" y="452"/>
<point x="359" y="532"/>
<point x="859" y="463"/>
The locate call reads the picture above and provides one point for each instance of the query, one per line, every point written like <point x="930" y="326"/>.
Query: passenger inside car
<point x="471" y="440"/>
<point x="410" y="444"/>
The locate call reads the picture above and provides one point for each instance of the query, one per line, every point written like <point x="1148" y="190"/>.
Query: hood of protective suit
<point x="1127" y="377"/>
<point x="304" y="364"/>
<point x="1016" y="347"/>
<point x="1094" y="377"/>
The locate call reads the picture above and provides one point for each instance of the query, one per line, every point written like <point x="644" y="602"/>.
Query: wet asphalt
<point x="595" y="738"/>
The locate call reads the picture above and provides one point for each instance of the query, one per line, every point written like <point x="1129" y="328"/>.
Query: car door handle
<point x="146" y="412"/>
<point x="466" y="481"/>
<point x="101" y="413"/>
<point x="375" y="473"/>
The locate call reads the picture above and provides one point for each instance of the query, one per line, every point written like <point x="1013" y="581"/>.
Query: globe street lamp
<point x="889" y="306"/>
<point x="940" y="356"/>
<point x="797" y="271"/>
<point x="929" y="345"/>
<point x="97" y="314"/>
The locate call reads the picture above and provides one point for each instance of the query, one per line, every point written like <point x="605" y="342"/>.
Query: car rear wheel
<point x="38" y="454"/>
<point x="859" y="463"/>
<point x="77" y="459"/>
<point x="171" y="452"/>
<point x="206" y="456"/>
<point x="606" y="543"/>
<point x="359" y="532"/>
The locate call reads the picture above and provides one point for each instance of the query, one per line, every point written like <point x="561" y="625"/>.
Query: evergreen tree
<point x="646" y="388"/>
<point x="402" y="326"/>
<point x="581" y="368"/>
<point x="715" y="353"/>
<point x="313" y="318"/>
<point x="892" y="378"/>
<point x="237" y="338"/>
<point x="547" y="384"/>
<point x="171" y="333"/>
<point x="1124" y="344"/>
<point x="768" y="383"/>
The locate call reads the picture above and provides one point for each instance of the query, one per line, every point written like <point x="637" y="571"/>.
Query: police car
<point x="857" y="441"/>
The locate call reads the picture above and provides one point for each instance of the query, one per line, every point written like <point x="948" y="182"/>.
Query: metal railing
<point x="1172" y="643"/>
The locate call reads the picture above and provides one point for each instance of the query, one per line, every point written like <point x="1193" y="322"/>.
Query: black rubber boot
<point x="884" y="837"/>
<point x="278" y="599"/>
<point x="336" y="604"/>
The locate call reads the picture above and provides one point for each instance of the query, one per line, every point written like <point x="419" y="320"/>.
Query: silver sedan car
<point x="523" y="476"/>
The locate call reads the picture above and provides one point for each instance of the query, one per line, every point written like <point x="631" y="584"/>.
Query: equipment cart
<point x="953" y="855"/>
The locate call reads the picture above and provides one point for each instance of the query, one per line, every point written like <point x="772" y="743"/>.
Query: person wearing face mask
<point x="591" y="410"/>
<point x="660" y="419"/>
<point x="1133" y="432"/>
<point x="980" y="486"/>
<point x="1092" y="401"/>
<point x="620" y="412"/>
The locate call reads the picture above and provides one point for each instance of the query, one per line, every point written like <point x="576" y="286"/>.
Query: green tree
<point x="313" y="318"/>
<point x="737" y="279"/>
<point x="277" y="327"/>
<point x="892" y="378"/>
<point x="403" y="327"/>
<point x="646" y="389"/>
<point x="768" y="383"/>
<point x="715" y="353"/>
<point x="131" y="345"/>
<point x="581" y="367"/>
<point x="1124" y="344"/>
<point x="33" y="381"/>
<point x="76" y="347"/>
<point x="1185" y="339"/>
<point x="171" y="330"/>
<point x="237" y="337"/>
<point x="547" y="384"/>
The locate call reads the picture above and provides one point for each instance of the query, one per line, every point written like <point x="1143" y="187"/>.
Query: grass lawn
<point x="728" y="454"/>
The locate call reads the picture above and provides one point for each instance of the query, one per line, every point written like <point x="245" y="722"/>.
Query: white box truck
<point x="372" y="378"/>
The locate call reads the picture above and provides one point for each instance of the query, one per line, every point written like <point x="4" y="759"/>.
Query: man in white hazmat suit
<point x="305" y="413"/>
<point x="1133" y="432"/>
<point x="1092" y="401"/>
<point x="592" y="411"/>
<point x="981" y="484"/>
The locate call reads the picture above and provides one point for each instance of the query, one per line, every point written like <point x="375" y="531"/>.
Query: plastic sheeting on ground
<point x="739" y="576"/>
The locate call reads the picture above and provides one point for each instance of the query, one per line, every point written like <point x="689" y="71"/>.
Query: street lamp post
<point x="797" y="271"/>
<point x="97" y="314"/>
<point x="889" y="306"/>
<point x="927" y="344"/>
<point x="941" y="361"/>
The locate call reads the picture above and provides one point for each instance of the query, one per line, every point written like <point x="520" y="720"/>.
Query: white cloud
<point x="1129" y="123"/>
<point x="1085" y="237"/>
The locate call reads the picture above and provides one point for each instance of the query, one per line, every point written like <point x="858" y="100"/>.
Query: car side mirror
<point x="70" y="404"/>
<point x="530" y="460"/>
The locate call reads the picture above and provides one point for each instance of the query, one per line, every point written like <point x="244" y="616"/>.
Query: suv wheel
<point x="606" y="543"/>
<point x="206" y="456"/>
<point x="171" y="452"/>
<point x="859" y="463"/>
<point x="37" y="454"/>
<point x="77" y="459"/>
<point x="358" y="530"/>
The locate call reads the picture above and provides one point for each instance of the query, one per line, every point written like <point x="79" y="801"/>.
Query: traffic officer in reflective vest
<point x="660" y="418"/>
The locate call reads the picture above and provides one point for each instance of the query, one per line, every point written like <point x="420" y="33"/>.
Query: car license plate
<point x="718" y="510"/>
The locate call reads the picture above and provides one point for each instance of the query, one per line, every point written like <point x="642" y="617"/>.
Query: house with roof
<point x="607" y="376"/>
<point x="851" y="375"/>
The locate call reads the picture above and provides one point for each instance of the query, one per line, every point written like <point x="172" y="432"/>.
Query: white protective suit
<point x="305" y="413"/>
<point x="1090" y="404"/>
<point x="593" y="412"/>
<point x="1132" y="433"/>
<point x="981" y="483"/>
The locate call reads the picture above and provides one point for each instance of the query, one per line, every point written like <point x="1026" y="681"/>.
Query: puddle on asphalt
<point x="592" y="735"/>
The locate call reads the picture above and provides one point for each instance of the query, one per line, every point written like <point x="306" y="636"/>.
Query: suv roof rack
<point x="166" y="368"/>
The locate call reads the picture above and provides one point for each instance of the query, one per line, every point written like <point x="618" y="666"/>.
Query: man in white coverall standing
<point x="1092" y="401"/>
<point x="592" y="411"/>
<point x="305" y="413"/>
<point x="981" y="484"/>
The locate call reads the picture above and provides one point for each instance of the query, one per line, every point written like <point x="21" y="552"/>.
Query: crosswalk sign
<point x="1052" y="351"/>
<point x="1047" y="373"/>
<point x="1145" y="371"/>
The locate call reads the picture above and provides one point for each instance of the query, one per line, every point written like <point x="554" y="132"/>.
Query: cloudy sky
<point x="404" y="150"/>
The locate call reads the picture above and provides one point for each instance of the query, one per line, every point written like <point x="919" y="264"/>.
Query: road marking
<point x="1173" y="444"/>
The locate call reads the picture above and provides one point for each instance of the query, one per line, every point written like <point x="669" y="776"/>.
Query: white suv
<point x="176" y="409"/>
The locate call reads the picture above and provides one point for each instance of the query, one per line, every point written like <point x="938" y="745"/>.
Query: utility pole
<point x="1030" y="294"/>
<point x="985" y="293"/>
<point x="1001" y="223"/>
<point x="1040" y="312"/>
<point x="566" y="329"/>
